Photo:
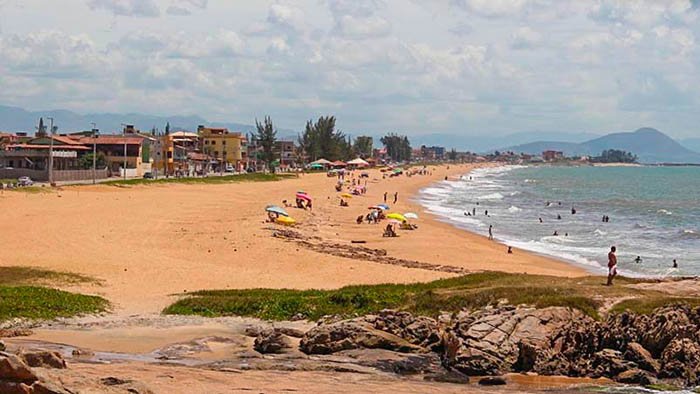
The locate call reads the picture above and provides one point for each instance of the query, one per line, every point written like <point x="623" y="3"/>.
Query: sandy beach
<point x="148" y="243"/>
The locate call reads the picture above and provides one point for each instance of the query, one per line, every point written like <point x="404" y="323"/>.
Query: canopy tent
<point x="316" y="166"/>
<point x="338" y="164"/>
<point x="358" y="163"/>
<point x="322" y="162"/>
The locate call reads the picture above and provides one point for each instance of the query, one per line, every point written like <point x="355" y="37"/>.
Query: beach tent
<point x="316" y="166"/>
<point x="322" y="162"/>
<point x="339" y="164"/>
<point x="358" y="163"/>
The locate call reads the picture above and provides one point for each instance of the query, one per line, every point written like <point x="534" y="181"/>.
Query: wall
<point x="58" y="175"/>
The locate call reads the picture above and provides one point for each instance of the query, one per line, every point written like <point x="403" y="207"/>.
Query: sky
<point x="463" y="67"/>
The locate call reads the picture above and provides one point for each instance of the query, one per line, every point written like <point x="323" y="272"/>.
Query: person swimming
<point x="675" y="263"/>
<point x="638" y="260"/>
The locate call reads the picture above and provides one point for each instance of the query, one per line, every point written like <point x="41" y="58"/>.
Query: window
<point x="216" y="153"/>
<point x="170" y="155"/>
<point x="213" y="142"/>
<point x="206" y="142"/>
<point x="223" y="142"/>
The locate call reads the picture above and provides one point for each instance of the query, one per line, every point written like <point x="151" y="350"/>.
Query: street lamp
<point x="124" y="135"/>
<point x="51" y="151"/>
<point x="94" y="152"/>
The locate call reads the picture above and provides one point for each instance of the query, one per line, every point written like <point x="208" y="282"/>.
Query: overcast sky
<point x="417" y="67"/>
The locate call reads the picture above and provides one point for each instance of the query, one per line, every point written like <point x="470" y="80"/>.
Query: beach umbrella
<point x="396" y="216"/>
<point x="276" y="209"/>
<point x="374" y="207"/>
<point x="393" y="221"/>
<point x="383" y="206"/>
<point x="410" y="215"/>
<point x="346" y="195"/>
<point x="303" y="196"/>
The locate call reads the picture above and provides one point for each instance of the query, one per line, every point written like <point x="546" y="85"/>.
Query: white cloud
<point x="144" y="8"/>
<point x="525" y="38"/>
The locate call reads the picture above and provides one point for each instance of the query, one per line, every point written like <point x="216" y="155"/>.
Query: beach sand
<point x="149" y="243"/>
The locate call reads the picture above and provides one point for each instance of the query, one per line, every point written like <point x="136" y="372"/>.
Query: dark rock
<point x="681" y="359"/>
<point x="13" y="369"/>
<point x="637" y="354"/>
<point x="253" y="331"/>
<point x="14" y="388"/>
<point x="489" y="342"/>
<point x="352" y="334"/>
<point x="43" y="359"/>
<point x="492" y="381"/>
<point x="609" y="362"/>
<point x="453" y="377"/>
<point x="635" y="376"/>
<point x="112" y="381"/>
<point x="48" y="388"/>
<point x="272" y="341"/>
<point x="291" y="332"/>
<point x="3" y="347"/>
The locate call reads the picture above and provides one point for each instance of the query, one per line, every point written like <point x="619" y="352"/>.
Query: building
<point x="228" y="148"/>
<point x="432" y="152"/>
<point x="7" y="139"/>
<point x="119" y="149"/>
<point x="31" y="158"/>
<point x="552" y="155"/>
<point x="285" y="152"/>
<point x="169" y="153"/>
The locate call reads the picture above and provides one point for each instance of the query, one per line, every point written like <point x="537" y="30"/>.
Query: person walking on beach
<point x="612" y="265"/>
<point x="491" y="232"/>
<point x="384" y="196"/>
<point x="396" y="197"/>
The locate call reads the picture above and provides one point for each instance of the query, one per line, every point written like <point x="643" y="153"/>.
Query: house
<point x="169" y="152"/>
<point x="286" y="152"/>
<point x="552" y="155"/>
<point x="7" y="139"/>
<point x="432" y="152"/>
<point x="31" y="158"/>
<point x="118" y="151"/>
<point x="228" y="148"/>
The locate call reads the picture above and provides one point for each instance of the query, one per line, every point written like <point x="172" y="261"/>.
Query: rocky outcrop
<point x="490" y="342"/>
<point x="390" y="330"/>
<point x="272" y="341"/>
<point x="42" y="359"/>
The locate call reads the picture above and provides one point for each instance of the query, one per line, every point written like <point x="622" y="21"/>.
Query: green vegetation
<point x="615" y="156"/>
<point x="663" y="387"/>
<point x="647" y="305"/>
<point x="471" y="291"/>
<point x="397" y="147"/>
<point x="322" y="140"/>
<point x="252" y="177"/>
<point x="20" y="297"/>
<point x="266" y="137"/>
<point x="44" y="303"/>
<point x="31" y="189"/>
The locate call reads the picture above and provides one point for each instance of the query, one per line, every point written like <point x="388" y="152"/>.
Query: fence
<point x="58" y="175"/>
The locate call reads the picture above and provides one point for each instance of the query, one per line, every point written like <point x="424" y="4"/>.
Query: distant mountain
<point x="17" y="119"/>
<point x="650" y="145"/>
<point x="485" y="143"/>
<point x="691" y="143"/>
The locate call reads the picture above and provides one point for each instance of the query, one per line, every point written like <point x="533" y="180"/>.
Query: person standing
<point x="612" y="265"/>
<point x="491" y="232"/>
<point x="384" y="196"/>
<point x="396" y="197"/>
<point x="675" y="263"/>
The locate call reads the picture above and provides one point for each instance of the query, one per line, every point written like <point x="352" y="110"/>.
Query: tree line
<point x="321" y="139"/>
<point x="615" y="156"/>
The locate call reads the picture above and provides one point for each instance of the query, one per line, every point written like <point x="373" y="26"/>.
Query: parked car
<point x="230" y="168"/>
<point x="148" y="175"/>
<point x="25" y="181"/>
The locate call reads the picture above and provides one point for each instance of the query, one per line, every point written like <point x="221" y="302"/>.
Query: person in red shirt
<point x="612" y="265"/>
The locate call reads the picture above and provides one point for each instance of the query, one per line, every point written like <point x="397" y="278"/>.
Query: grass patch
<point x="31" y="189"/>
<point x="647" y="305"/>
<point x="252" y="177"/>
<point x="22" y="276"/>
<point x="453" y="294"/>
<point x="43" y="303"/>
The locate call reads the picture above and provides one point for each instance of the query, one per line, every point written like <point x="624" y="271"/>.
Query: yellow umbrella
<point x="285" y="221"/>
<point x="396" y="216"/>
<point x="346" y="195"/>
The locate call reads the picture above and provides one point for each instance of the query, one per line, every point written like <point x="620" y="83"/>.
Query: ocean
<point x="654" y="213"/>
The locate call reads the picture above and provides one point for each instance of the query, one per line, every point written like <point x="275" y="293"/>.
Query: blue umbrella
<point x="383" y="206"/>
<point x="276" y="209"/>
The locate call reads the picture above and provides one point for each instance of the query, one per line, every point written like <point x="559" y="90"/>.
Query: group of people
<point x="396" y="196"/>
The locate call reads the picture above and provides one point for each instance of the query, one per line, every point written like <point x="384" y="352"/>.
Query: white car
<point x="25" y="181"/>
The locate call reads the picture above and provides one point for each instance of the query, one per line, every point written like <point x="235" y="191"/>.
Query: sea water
<point x="654" y="213"/>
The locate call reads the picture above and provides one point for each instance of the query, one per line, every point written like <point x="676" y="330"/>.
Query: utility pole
<point x="94" y="153"/>
<point x="51" y="152"/>
<point x="124" y="135"/>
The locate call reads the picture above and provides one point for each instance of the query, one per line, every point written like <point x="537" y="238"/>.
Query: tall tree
<point x="167" y="128"/>
<point x="322" y="140"/>
<point x="398" y="148"/>
<point x="363" y="146"/>
<point x="266" y="137"/>
<point x="41" y="130"/>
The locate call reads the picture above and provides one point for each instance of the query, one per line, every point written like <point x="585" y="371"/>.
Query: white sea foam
<point x="664" y="212"/>
<point x="492" y="196"/>
<point x="599" y="232"/>
<point x="514" y="209"/>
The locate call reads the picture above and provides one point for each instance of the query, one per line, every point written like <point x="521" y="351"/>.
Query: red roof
<point x="56" y="147"/>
